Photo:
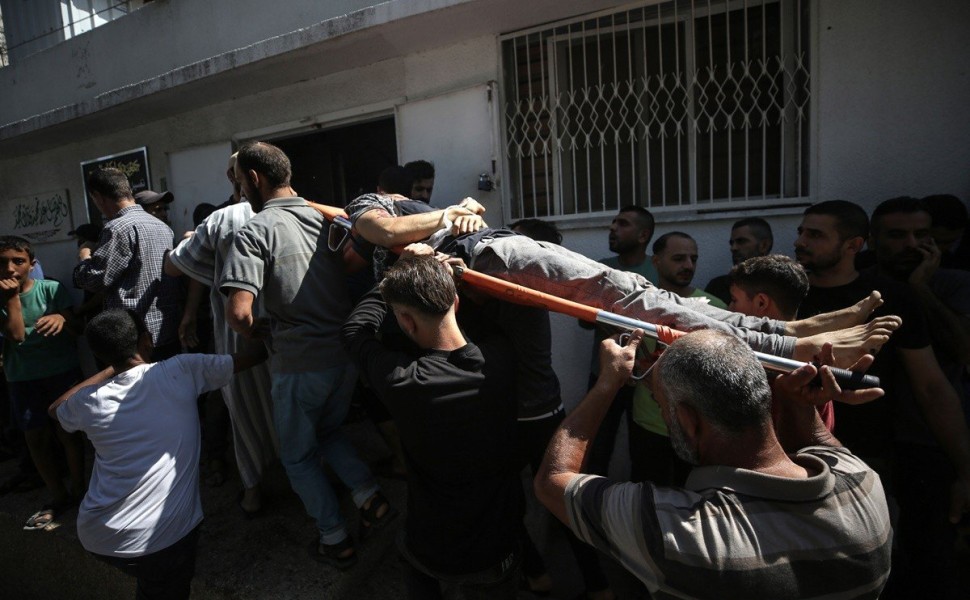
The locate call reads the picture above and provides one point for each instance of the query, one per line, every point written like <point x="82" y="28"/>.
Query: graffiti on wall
<point x="44" y="217"/>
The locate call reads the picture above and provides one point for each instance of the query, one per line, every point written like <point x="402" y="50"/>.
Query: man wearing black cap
<point x="155" y="204"/>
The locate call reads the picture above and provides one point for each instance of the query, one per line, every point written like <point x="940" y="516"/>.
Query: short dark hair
<point x="661" y="242"/>
<point x="420" y="169"/>
<point x="718" y="375"/>
<point x="419" y="282"/>
<point x="783" y="279"/>
<point x="110" y="183"/>
<point x="15" y="242"/>
<point x="267" y="160"/>
<point x="758" y="226"/>
<point x="395" y="180"/>
<point x="537" y="229"/>
<point x="850" y="219"/>
<point x="947" y="211"/>
<point x="901" y="204"/>
<point x="113" y="335"/>
<point x="202" y="212"/>
<point x="646" y="217"/>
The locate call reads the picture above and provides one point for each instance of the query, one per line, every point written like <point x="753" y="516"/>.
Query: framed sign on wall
<point x="133" y="163"/>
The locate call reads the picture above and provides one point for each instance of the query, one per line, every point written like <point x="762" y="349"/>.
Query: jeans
<point x="552" y="269"/>
<point x="308" y="409"/>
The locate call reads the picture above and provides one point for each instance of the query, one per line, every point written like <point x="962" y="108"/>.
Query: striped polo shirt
<point x="735" y="533"/>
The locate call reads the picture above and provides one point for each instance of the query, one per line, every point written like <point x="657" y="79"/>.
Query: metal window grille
<point x="689" y="104"/>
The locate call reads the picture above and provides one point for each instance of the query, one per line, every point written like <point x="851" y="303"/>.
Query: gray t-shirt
<point x="282" y="255"/>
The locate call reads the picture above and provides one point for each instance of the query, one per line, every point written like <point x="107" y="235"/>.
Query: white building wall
<point x="155" y="39"/>
<point x="890" y="87"/>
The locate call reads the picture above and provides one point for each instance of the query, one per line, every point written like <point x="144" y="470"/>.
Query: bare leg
<point x="848" y="345"/>
<point x="850" y="316"/>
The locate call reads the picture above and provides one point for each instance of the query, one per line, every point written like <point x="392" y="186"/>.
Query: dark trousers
<point x="532" y="438"/>
<point x="500" y="582"/>
<point x="923" y="476"/>
<point x="601" y="450"/>
<point x="163" y="575"/>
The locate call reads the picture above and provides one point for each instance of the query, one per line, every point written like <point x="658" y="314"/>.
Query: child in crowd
<point x="143" y="510"/>
<point x="40" y="361"/>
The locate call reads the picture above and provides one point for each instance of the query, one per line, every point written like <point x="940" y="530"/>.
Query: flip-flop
<point x="40" y="519"/>
<point x="47" y="514"/>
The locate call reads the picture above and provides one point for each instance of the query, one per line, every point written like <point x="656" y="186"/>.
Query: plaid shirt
<point x="127" y="266"/>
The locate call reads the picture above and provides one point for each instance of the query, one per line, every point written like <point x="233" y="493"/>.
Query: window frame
<point x="805" y="39"/>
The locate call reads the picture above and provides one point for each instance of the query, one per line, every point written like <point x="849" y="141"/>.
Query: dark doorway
<point x="334" y="166"/>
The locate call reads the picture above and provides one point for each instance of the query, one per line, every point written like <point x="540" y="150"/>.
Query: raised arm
<point x="795" y="398"/>
<point x="99" y="377"/>
<point x="379" y="227"/>
<point x="12" y="319"/>
<point x="570" y="444"/>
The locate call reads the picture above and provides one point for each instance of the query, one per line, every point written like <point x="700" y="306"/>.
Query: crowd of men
<point x="742" y="484"/>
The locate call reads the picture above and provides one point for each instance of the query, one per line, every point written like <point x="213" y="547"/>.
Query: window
<point x="692" y="103"/>
<point x="39" y="24"/>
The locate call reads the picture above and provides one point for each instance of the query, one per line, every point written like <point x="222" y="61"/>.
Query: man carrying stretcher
<point x="386" y="221"/>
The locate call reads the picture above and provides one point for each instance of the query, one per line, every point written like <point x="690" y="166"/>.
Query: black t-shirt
<point x="869" y="429"/>
<point x="456" y="414"/>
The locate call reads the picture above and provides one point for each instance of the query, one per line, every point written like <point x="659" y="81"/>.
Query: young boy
<point x="772" y="286"/>
<point x="142" y="510"/>
<point x="40" y="362"/>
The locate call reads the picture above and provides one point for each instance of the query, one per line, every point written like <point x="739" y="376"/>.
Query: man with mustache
<point x="750" y="237"/>
<point x="917" y="436"/>
<point x="767" y="512"/>
<point x="675" y="258"/>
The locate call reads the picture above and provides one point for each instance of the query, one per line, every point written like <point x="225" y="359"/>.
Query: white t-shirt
<point x="144" y="424"/>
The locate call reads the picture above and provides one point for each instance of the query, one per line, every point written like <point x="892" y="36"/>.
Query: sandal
<point x="333" y="554"/>
<point x="369" y="521"/>
<point x="46" y="515"/>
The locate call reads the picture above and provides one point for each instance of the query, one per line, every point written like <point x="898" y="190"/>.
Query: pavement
<point x="263" y="558"/>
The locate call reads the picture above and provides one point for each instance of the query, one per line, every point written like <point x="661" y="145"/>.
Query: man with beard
<point x="750" y="237"/>
<point x="277" y="256"/>
<point x="675" y="258"/>
<point x="762" y="515"/>
<point x="630" y="234"/>
<point x="918" y="432"/>
<point x="906" y="252"/>
<point x="651" y="456"/>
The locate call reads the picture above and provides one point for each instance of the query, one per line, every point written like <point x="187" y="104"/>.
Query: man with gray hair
<point x="770" y="510"/>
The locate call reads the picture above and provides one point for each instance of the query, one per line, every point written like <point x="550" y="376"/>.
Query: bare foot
<point x="848" y="345"/>
<point x="850" y="316"/>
